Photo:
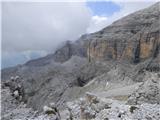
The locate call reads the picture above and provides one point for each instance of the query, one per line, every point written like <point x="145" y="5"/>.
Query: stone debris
<point x="108" y="109"/>
<point x="16" y="87"/>
<point x="52" y="110"/>
<point x="90" y="107"/>
<point x="148" y="91"/>
<point x="48" y="110"/>
<point x="16" y="94"/>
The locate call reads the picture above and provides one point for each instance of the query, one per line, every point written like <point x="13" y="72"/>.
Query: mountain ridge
<point x="84" y="39"/>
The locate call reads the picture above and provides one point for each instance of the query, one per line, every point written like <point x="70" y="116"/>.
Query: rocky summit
<point x="112" y="74"/>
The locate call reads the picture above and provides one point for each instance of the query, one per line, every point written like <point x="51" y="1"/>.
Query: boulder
<point x="48" y="110"/>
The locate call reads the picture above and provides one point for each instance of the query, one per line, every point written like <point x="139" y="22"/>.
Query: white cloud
<point x="99" y="22"/>
<point x="41" y="26"/>
<point x="129" y="7"/>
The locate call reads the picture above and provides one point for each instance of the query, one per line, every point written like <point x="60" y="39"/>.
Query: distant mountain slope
<point x="132" y="43"/>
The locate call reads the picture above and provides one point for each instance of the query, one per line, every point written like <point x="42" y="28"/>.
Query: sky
<point x="34" y="29"/>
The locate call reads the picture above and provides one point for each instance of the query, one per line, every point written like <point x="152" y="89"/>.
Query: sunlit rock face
<point x="146" y="46"/>
<point x="134" y="38"/>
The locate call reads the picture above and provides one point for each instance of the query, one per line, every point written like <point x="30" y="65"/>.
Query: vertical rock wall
<point x="139" y="48"/>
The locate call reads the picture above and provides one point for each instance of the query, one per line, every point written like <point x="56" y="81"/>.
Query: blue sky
<point x="103" y="8"/>
<point x="17" y="58"/>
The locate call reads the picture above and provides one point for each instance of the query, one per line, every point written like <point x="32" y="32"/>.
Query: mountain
<point x="134" y="38"/>
<point x="119" y="55"/>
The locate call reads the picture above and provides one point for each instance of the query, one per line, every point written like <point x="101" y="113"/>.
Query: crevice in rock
<point x="80" y="82"/>
<point x="137" y="51"/>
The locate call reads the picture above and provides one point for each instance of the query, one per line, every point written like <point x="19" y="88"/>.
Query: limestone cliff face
<point x="144" y="47"/>
<point x="133" y="38"/>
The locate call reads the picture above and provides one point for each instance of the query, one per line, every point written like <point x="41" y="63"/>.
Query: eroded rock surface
<point x="148" y="91"/>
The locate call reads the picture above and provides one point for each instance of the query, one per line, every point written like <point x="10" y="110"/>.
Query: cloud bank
<point x="30" y="28"/>
<point x="41" y="26"/>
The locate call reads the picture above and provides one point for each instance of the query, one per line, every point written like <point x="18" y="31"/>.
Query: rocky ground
<point x="141" y="103"/>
